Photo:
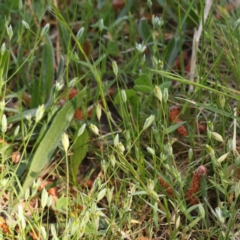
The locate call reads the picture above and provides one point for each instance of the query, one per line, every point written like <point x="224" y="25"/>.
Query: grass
<point x="105" y="134"/>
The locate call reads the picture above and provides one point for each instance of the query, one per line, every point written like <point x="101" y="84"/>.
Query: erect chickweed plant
<point x="119" y="120"/>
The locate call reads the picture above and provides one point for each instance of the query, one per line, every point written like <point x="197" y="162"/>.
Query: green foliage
<point x="129" y="177"/>
<point x="143" y="84"/>
<point x="80" y="149"/>
<point x="43" y="155"/>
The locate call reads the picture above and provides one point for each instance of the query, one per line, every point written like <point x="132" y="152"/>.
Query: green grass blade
<point x="173" y="128"/>
<point x="42" y="87"/>
<point x="47" y="76"/>
<point x="80" y="149"/>
<point x="183" y="80"/>
<point x="50" y="141"/>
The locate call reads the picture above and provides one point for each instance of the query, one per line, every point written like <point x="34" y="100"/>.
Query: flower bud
<point x="109" y="194"/>
<point x="80" y="33"/>
<point x="3" y="48"/>
<point x="112" y="160"/>
<point x="116" y="140"/>
<point x="219" y="215"/>
<point x="25" y="24"/>
<point x="40" y="112"/>
<point x="16" y="131"/>
<point x="151" y="151"/>
<point x="101" y="25"/>
<point x="124" y="95"/>
<point x="165" y="95"/>
<point x="222" y="158"/>
<point x="217" y="136"/>
<point x="190" y="153"/>
<point x="222" y="101"/>
<point x="120" y="147"/>
<point x="101" y="194"/>
<point x="94" y="129"/>
<point x="81" y="130"/>
<point x="150" y="185"/>
<point x="4" y="123"/>
<point x="10" y="32"/>
<point x="148" y="122"/>
<point x="98" y="111"/>
<point x="210" y="150"/>
<point x="44" y="198"/>
<point x="115" y="68"/>
<point x="158" y="93"/>
<point x="65" y="141"/>
<point x="21" y="217"/>
<point x="237" y="189"/>
<point x="2" y="105"/>
<point x="45" y="29"/>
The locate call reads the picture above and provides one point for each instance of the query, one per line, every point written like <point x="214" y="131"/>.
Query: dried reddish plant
<point x="166" y="187"/>
<point x="87" y="48"/>
<point x="16" y="156"/>
<point x="202" y="128"/>
<point x="174" y="117"/>
<point x="174" y="113"/>
<point x="195" y="185"/>
<point x="88" y="184"/>
<point x="118" y="4"/>
<point x="192" y="190"/>
<point x="35" y="235"/>
<point x="72" y="93"/>
<point x="182" y="129"/>
<point x="3" y="226"/>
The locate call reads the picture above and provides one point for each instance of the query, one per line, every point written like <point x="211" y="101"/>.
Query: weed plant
<point x="110" y="129"/>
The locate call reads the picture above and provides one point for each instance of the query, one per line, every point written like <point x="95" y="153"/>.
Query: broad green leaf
<point x="50" y="141"/>
<point x="145" y="30"/>
<point x="171" y="52"/>
<point x="143" y="88"/>
<point x="65" y="36"/>
<point x="166" y="84"/>
<point x="62" y="204"/>
<point x="47" y="75"/>
<point x="13" y="4"/>
<point x="143" y="83"/>
<point x="42" y="86"/>
<point x="80" y="149"/>
<point x="112" y="48"/>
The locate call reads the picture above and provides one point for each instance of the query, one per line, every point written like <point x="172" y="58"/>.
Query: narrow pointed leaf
<point x="50" y="141"/>
<point x="79" y="152"/>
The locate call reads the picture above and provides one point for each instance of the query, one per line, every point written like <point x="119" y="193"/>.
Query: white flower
<point x="140" y="47"/>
